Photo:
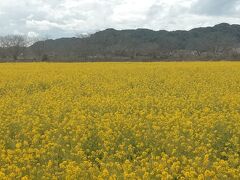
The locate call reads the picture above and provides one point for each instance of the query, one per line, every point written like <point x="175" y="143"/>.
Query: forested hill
<point x="221" y="42"/>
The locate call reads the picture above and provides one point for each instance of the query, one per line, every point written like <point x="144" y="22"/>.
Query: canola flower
<point x="120" y="121"/>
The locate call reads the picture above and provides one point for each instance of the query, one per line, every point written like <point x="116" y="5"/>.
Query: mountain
<point x="221" y="42"/>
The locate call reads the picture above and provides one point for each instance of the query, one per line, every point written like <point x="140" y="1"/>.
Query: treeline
<point x="12" y="46"/>
<point x="221" y="42"/>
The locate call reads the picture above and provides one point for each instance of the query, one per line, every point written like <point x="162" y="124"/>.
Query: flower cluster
<point x="120" y="121"/>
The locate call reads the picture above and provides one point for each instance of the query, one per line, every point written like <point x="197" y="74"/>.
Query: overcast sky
<point x="64" y="18"/>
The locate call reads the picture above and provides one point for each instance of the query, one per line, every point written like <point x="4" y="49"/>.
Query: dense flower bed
<point x="120" y="120"/>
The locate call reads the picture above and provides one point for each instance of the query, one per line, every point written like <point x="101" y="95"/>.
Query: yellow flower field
<point x="120" y="120"/>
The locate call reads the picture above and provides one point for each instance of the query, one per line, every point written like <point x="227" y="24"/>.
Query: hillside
<point x="210" y="43"/>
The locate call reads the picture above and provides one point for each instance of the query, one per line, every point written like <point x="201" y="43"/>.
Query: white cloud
<point x="42" y="25"/>
<point x="67" y="17"/>
<point x="32" y="34"/>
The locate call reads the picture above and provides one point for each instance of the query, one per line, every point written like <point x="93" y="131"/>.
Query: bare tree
<point x="13" y="45"/>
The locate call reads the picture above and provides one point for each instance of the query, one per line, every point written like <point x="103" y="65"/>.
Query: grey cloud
<point x="58" y="18"/>
<point x="216" y="7"/>
<point x="154" y="11"/>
